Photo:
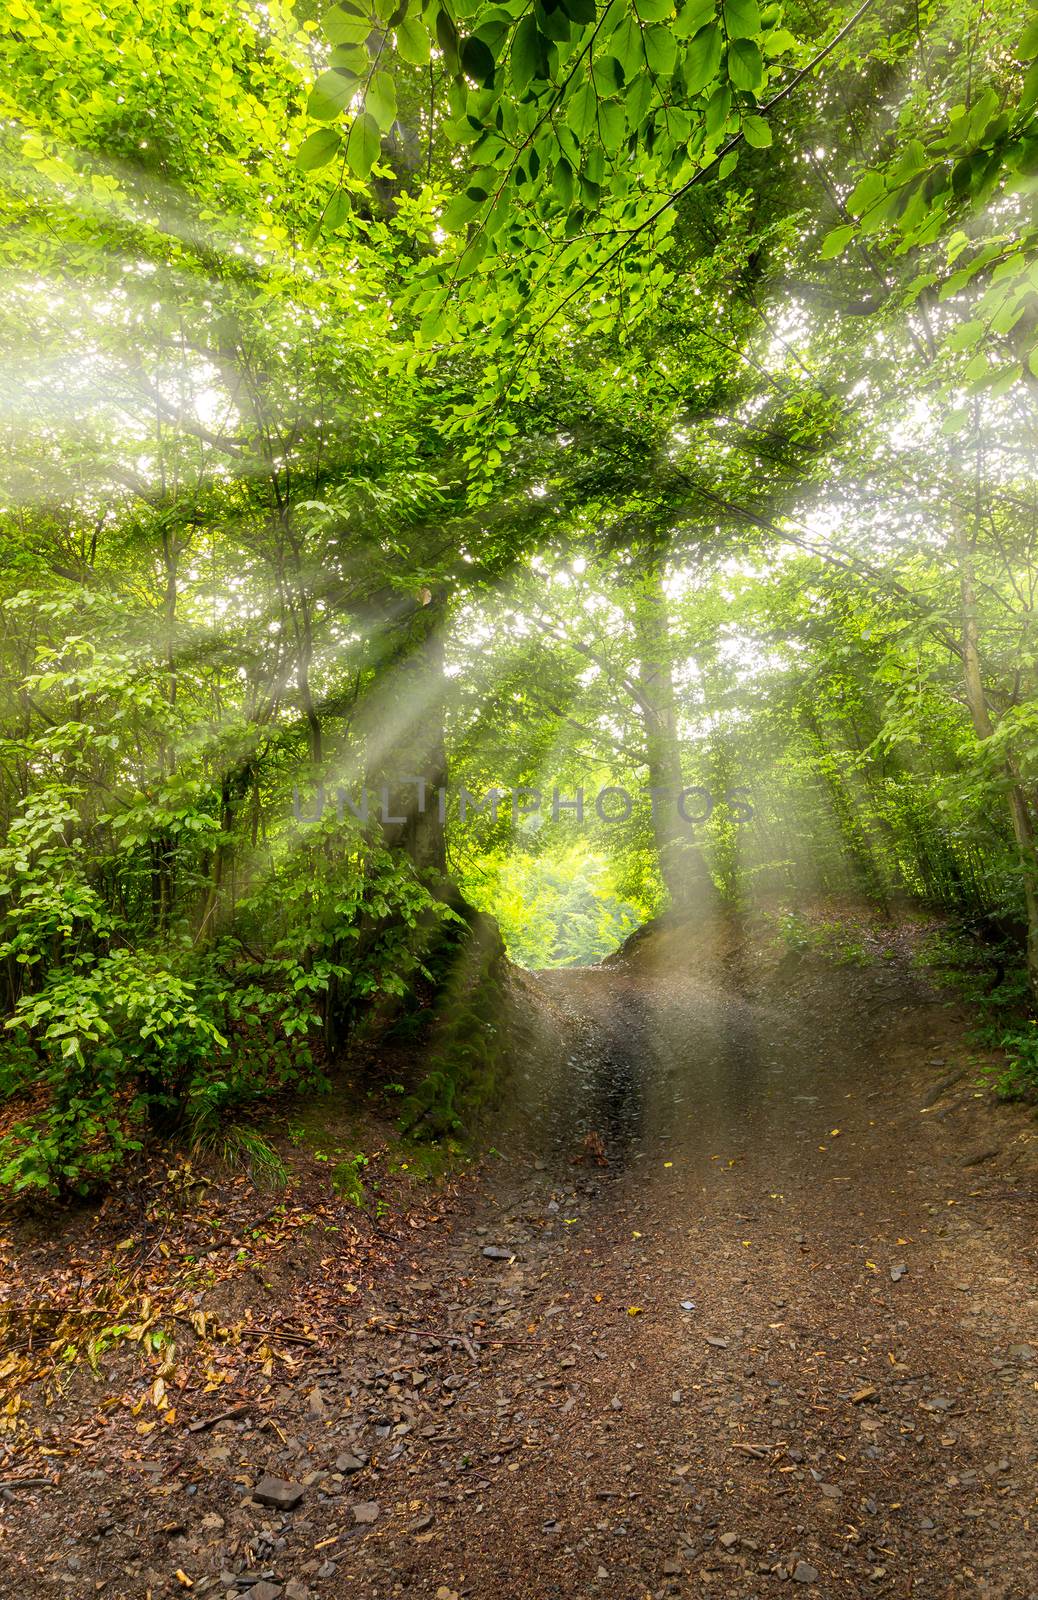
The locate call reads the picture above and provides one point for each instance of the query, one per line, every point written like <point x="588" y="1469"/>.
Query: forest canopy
<point x="404" y="399"/>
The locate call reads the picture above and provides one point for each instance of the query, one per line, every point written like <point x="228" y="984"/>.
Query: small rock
<point x="278" y="1492"/>
<point x="365" y="1511"/>
<point x="494" y="1252"/>
<point x="294" y="1590"/>
<point x="1021" y="1352"/>
<point x="897" y="1271"/>
<point x="673" y="1569"/>
<point x="717" y="1342"/>
<point x="350" y="1463"/>
<point x="729" y="1540"/>
<point x="266" y="1591"/>
<point x="804" y="1572"/>
<point x="212" y="1522"/>
<point x="978" y="1157"/>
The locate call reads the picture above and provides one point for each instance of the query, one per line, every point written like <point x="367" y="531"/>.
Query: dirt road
<point x="787" y="1335"/>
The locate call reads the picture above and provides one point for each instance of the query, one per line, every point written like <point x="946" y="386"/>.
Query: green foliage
<point x="556" y="911"/>
<point x="986" y="969"/>
<point x="836" y="941"/>
<point x="347" y="1179"/>
<point x="589" y="394"/>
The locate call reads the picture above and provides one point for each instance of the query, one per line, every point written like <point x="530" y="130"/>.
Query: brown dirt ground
<point x="847" y="1402"/>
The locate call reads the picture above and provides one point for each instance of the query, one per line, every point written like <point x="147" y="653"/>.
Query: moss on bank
<point x="466" y="1058"/>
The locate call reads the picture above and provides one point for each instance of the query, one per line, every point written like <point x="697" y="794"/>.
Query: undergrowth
<point x="991" y="978"/>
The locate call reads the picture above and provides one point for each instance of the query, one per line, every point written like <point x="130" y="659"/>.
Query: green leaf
<point x="330" y="95"/>
<point x="626" y="45"/>
<point x="777" y="41"/>
<point x="1028" y="47"/>
<point x="339" y="208"/>
<point x="583" y="11"/>
<point x="966" y="335"/>
<point x="728" y="165"/>
<point x="477" y="60"/>
<point x="343" y="24"/>
<point x="637" y="101"/>
<point x="412" y="41"/>
<point x="525" y="53"/>
<point x="318" y="149"/>
<point x="692" y="17"/>
<point x="380" y="101"/>
<point x="717" y="109"/>
<point x="745" y="67"/>
<point x="703" y="58"/>
<point x="1029" y="92"/>
<point x="661" y="50"/>
<point x="581" y="110"/>
<point x="563" y="182"/>
<point x="836" y="240"/>
<point x="756" y="132"/>
<point x="868" y="189"/>
<point x="351" y="58"/>
<point x="612" y="124"/>
<point x="447" y="38"/>
<point x="463" y="209"/>
<point x="607" y="75"/>
<point x="741" y="19"/>
<point x="365" y="144"/>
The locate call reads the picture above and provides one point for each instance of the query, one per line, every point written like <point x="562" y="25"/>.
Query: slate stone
<point x="278" y="1493"/>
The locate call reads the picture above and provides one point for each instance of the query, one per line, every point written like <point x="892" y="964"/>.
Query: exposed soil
<point x="750" y="1301"/>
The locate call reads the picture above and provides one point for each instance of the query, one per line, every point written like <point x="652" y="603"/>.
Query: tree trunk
<point x="1020" y="816"/>
<point x="683" y="866"/>
<point x="403" y="721"/>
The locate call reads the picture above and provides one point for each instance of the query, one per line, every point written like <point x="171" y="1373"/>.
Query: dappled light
<point x="518" y="887"/>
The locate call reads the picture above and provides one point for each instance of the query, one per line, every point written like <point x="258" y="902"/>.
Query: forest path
<point x="783" y="1335"/>
<point x="788" y="1334"/>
